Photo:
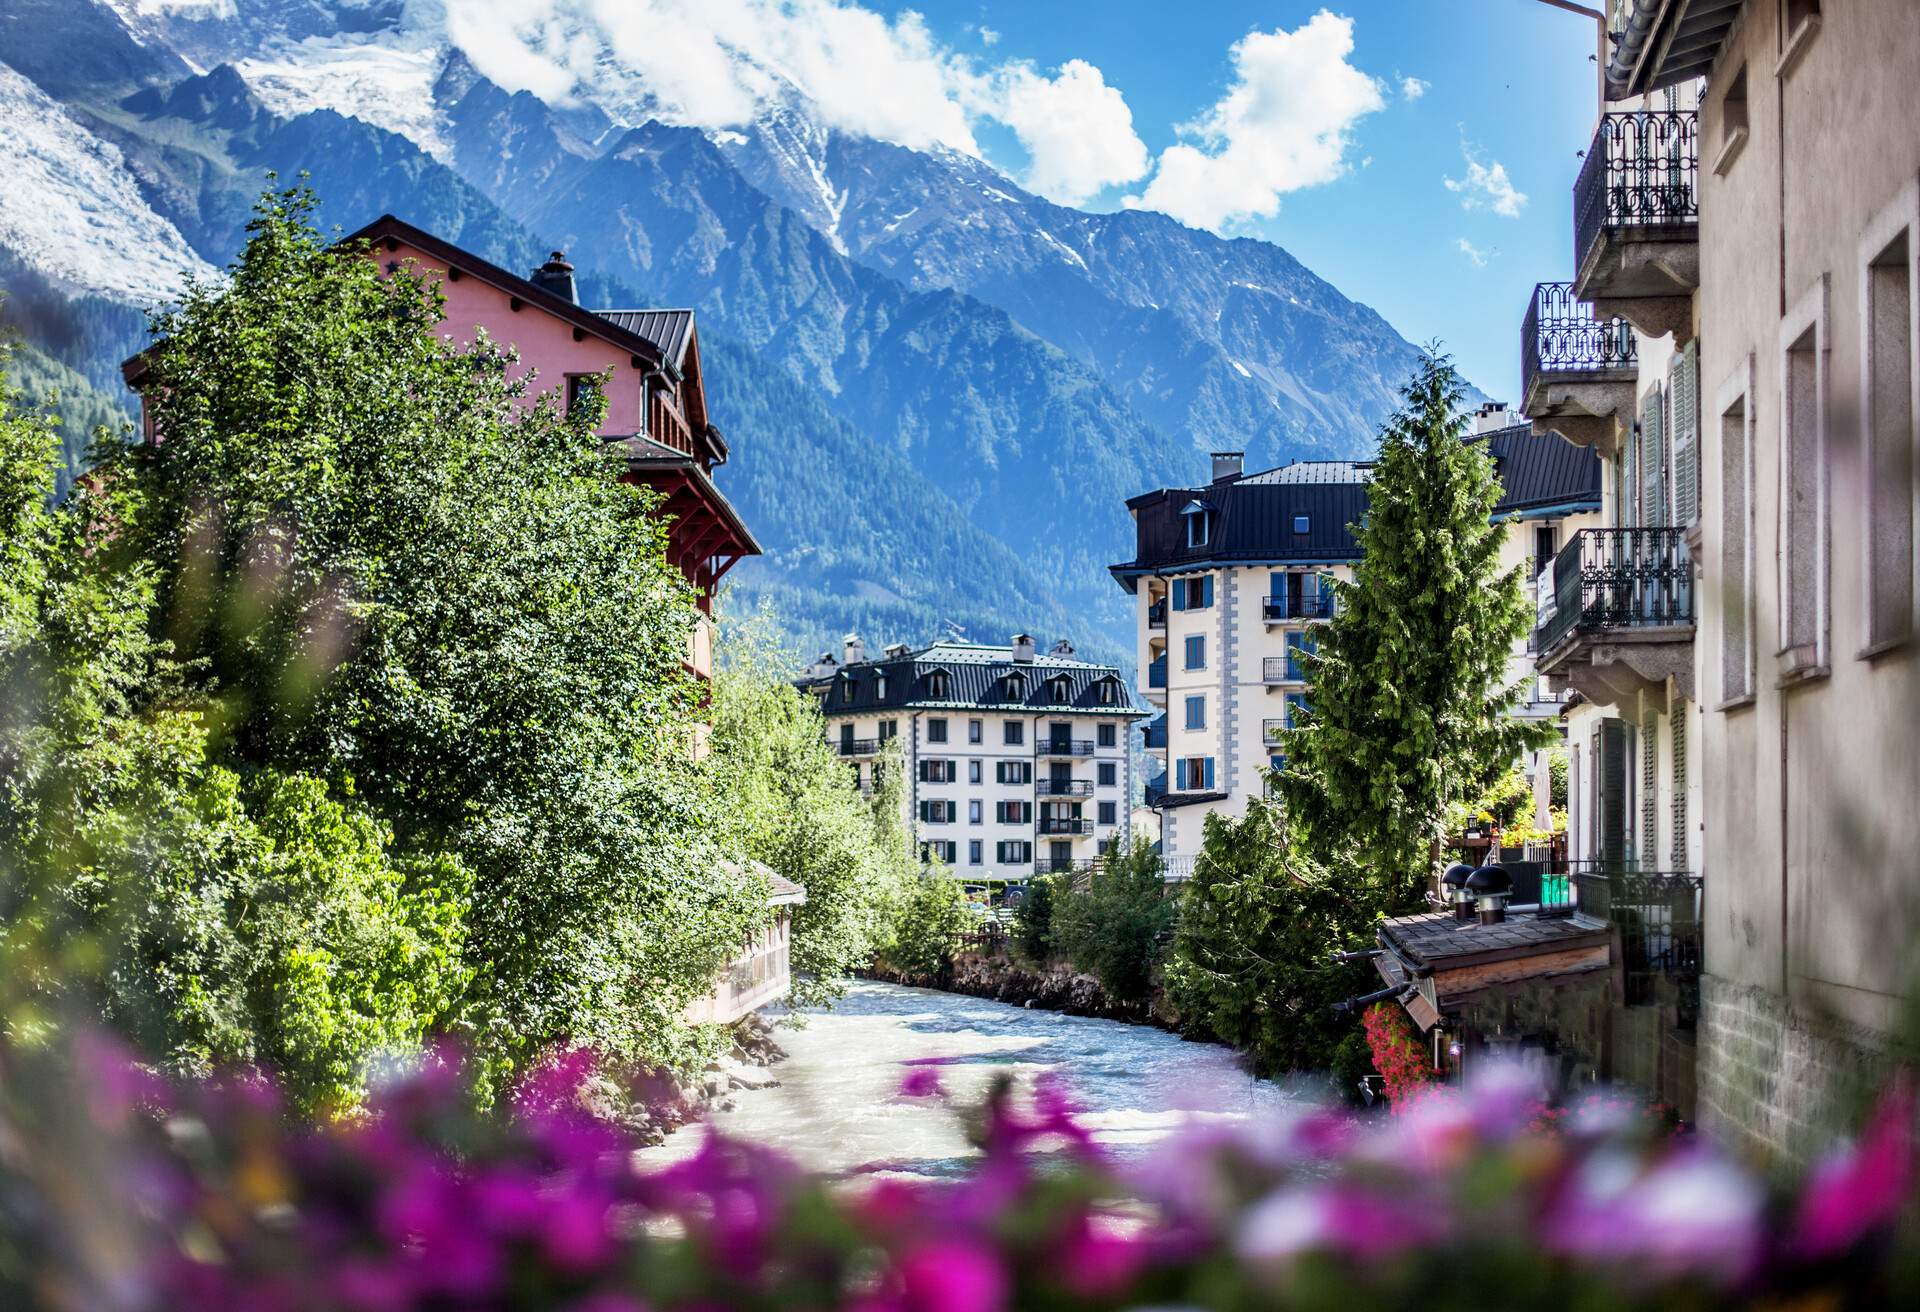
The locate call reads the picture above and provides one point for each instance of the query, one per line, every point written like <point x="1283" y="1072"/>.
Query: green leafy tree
<point x="932" y="917"/>
<point x="391" y="568"/>
<point x="1116" y="928"/>
<point x="1033" y="919"/>
<point x="796" y="807"/>
<point x="1252" y="958"/>
<point x="1409" y="691"/>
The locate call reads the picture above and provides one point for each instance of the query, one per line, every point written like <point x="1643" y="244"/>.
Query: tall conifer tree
<point x="1410" y="690"/>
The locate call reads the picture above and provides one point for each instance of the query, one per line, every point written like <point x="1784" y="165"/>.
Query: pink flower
<point x="952" y="1276"/>
<point x="1338" y="1218"/>
<point x="921" y="1082"/>
<point x="1093" y="1263"/>
<point x="1690" y="1214"/>
<point x="1855" y="1192"/>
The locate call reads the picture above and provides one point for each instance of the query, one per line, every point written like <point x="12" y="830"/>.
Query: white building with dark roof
<point x="1016" y="762"/>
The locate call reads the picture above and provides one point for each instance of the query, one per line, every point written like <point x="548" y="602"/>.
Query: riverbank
<point x="1053" y="987"/>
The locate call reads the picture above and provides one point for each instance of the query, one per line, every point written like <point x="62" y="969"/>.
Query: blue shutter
<point x="1180" y="775"/>
<point x="1209" y="784"/>
<point x="1179" y="594"/>
<point x="1206" y="591"/>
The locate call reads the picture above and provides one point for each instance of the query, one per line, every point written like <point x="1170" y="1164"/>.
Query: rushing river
<point x="837" y="1107"/>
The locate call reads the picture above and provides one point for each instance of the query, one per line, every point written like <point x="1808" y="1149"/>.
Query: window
<point x="1109" y="813"/>
<point x="1302" y="524"/>
<point x="1108" y="773"/>
<point x="974" y="731"/>
<point x="1196" y="712"/>
<point x="1016" y="733"/>
<point x="973" y="851"/>
<point x="1013" y="813"/>
<point x="1799" y="23"/>
<point x="1299" y="643"/>
<point x="937" y="684"/>
<point x="1199" y="524"/>
<point x="1736" y="537"/>
<point x="937" y="772"/>
<point x="846" y="738"/>
<point x="937" y="811"/>
<point x="1803" y="485"/>
<point x="973" y="772"/>
<point x="1733" y="121"/>
<point x="1652" y="460"/>
<point x="1887" y="376"/>
<point x="1016" y="688"/>
<point x="1196" y="652"/>
<point x="974" y="812"/>
<point x="1107" y="692"/>
<point x="937" y="850"/>
<point x="583" y="393"/>
<point x="1060" y="691"/>
<point x="1193" y="774"/>
<point x="1014" y="853"/>
<point x="846" y="691"/>
<point x="936" y="731"/>
<point x="880" y="687"/>
<point x="1296" y="703"/>
<point x="889" y="730"/>
<point x="1013" y="772"/>
<point x="1106" y="735"/>
<point x="1194" y="593"/>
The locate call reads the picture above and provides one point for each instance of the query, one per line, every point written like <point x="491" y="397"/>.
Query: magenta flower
<point x="1689" y="1214"/>
<point x="952" y="1276"/>
<point x="921" y="1082"/>
<point x="1333" y="1218"/>
<point x="1855" y="1192"/>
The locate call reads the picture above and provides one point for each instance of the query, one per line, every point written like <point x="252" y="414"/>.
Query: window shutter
<point x="1649" y="789"/>
<point x="1611" y="826"/>
<point x="1179" y="594"/>
<point x="1206" y="590"/>
<point x="1180" y="775"/>
<point x="1686" y="435"/>
<point x="1653" y="458"/>
<point x="1209" y="767"/>
<point x="1680" y="786"/>
<point x="926" y="812"/>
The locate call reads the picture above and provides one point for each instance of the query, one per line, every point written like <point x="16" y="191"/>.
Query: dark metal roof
<point x="1658" y="43"/>
<point x="1436" y="939"/>
<point x="978" y="678"/>
<point x="1174" y="801"/>
<point x="1314" y="471"/>
<point x="670" y="330"/>
<point x="1541" y="470"/>
<point x="1252" y="522"/>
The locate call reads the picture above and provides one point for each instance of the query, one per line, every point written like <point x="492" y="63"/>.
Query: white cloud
<point x="1412" y="88"/>
<point x="1077" y="130"/>
<point x="989" y="37"/>
<point x="1486" y="186"/>
<point x="1285" y="123"/>
<point x="1475" y="256"/>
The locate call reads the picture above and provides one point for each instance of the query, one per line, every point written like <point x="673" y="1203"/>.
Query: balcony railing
<point x="859" y="746"/>
<point x="1063" y="787"/>
<point x="1154" y="734"/>
<point x="1642" y="171"/>
<point x="1060" y="825"/>
<point x="1157" y="673"/>
<point x="1063" y="865"/>
<point x="1615" y="578"/>
<point x="1157" y="615"/>
<point x="1560" y="336"/>
<point x="1281" y="669"/>
<point x="1064" y="747"/>
<point x="1317" y="607"/>
<point x="1659" y="914"/>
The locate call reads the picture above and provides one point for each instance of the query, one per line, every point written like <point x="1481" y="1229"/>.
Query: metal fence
<point x="1607" y="578"/>
<point x="1559" y="335"/>
<point x="1642" y="170"/>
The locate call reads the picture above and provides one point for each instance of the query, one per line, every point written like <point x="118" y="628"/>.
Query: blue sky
<point x="1506" y="82"/>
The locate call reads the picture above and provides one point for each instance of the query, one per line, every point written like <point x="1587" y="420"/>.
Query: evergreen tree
<point x="1408" y="696"/>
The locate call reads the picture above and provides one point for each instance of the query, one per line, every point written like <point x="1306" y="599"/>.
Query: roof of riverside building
<point x="977" y="677"/>
<point x="1303" y="514"/>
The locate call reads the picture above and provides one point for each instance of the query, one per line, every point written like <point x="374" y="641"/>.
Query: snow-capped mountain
<point x="1023" y="366"/>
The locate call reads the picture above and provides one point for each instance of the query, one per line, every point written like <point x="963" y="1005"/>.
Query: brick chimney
<point x="556" y="276"/>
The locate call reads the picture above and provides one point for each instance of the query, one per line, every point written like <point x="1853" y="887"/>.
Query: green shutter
<point x="1680" y="786"/>
<point x="1649" y="789"/>
<point x="1612" y="827"/>
<point x="1653" y="458"/>
<point x="1686" y="435"/>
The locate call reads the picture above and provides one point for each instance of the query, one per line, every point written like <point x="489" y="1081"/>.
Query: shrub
<point x="1033" y="920"/>
<point x="1117" y="927"/>
<point x="931" y="922"/>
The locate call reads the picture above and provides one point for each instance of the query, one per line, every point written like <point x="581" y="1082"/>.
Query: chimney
<point x="1062" y="649"/>
<point x="895" y="650"/>
<point x="1228" y="465"/>
<point x="854" y="651"/>
<point x="1023" y="648"/>
<point x="1492" y="416"/>
<point x="556" y="276"/>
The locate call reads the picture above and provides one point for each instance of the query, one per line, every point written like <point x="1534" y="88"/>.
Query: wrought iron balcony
<point x="1281" y="669"/>
<point x="1063" y="865"/>
<point x="1063" y="787"/>
<point x="1616" y="578"/>
<point x="1271" y="731"/>
<point x="1574" y="367"/>
<point x="1063" y="747"/>
<point x="859" y="746"/>
<point x="1317" y="607"/>
<point x="1157" y="615"/>
<point x="1636" y="208"/>
<point x="1157" y="673"/>
<point x="1063" y="825"/>
<point x="1659" y="914"/>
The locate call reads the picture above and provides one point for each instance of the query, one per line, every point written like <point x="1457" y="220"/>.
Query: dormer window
<point x="1108" y="692"/>
<point x="1016" y="688"/>
<point x="1301" y="524"/>
<point x="937" y="685"/>
<point x="846" y="690"/>
<point x="880" y="687"/>
<point x="1199" y="519"/>
<point x="1061" y="691"/>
